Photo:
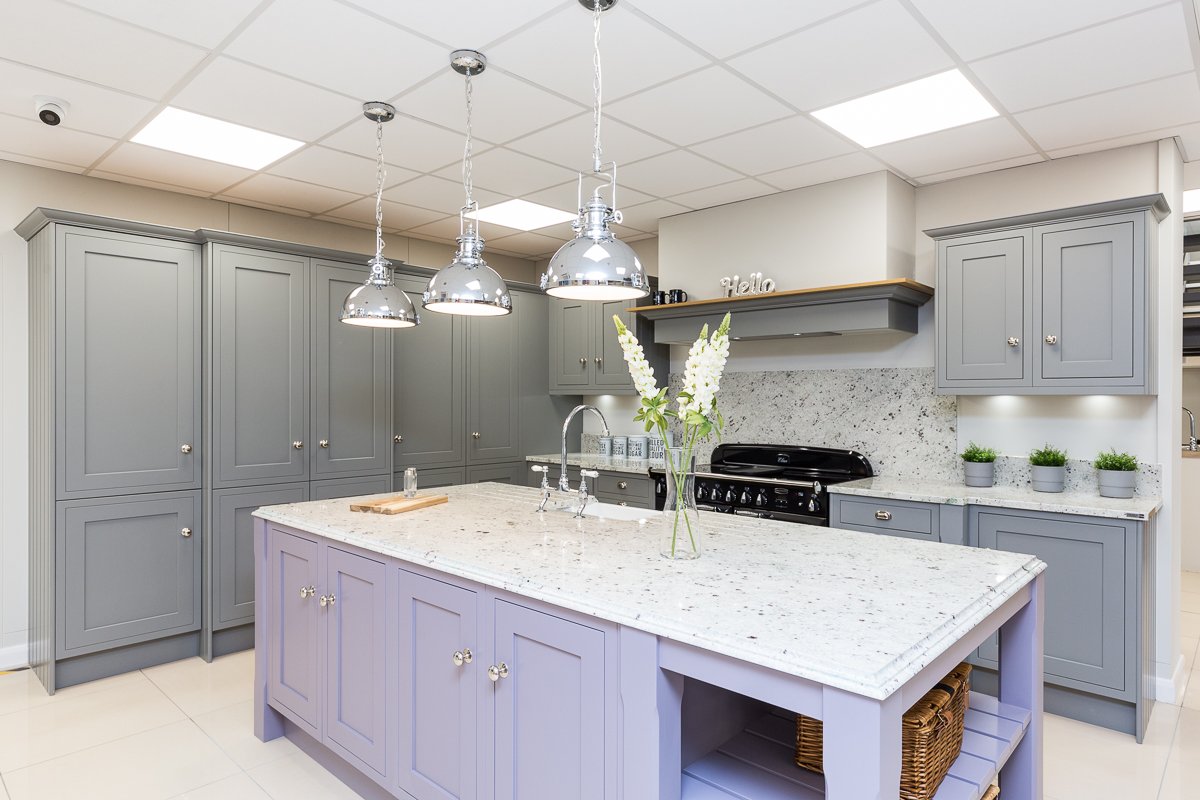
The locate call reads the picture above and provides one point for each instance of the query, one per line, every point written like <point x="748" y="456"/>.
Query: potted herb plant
<point x="979" y="465"/>
<point x="1049" y="467"/>
<point x="1118" y="473"/>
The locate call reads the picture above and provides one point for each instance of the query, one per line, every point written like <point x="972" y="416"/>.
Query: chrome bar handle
<point x="883" y="515"/>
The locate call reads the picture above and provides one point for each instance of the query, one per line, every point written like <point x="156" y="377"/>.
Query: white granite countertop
<point x="635" y="466"/>
<point x="1018" y="497"/>
<point x="856" y="611"/>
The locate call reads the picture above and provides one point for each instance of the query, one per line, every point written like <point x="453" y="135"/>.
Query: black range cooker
<point x="784" y="482"/>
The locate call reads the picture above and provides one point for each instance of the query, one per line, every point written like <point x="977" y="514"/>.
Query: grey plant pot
<point x="1117" y="483"/>
<point x="979" y="473"/>
<point x="1048" y="479"/>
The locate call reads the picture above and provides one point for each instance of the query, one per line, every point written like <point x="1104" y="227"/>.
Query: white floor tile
<point x="1182" y="775"/>
<point x="1190" y="602"/>
<point x="22" y="690"/>
<point x="76" y="721"/>
<point x="1191" y="694"/>
<point x="237" y="787"/>
<point x="198" y="687"/>
<point x="3" y="791"/>
<point x="147" y="766"/>
<point x="1085" y="761"/>
<point x="298" y="777"/>
<point x="1188" y="647"/>
<point x="1190" y="582"/>
<point x="1189" y="625"/>
<point x="232" y="728"/>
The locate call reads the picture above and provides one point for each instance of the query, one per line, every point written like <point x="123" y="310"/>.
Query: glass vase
<point x="681" y="532"/>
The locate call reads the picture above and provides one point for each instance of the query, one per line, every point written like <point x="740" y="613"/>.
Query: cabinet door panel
<point x="356" y="701"/>
<point x="493" y="372"/>
<point x="130" y="373"/>
<point x="513" y="473"/>
<point x="611" y="369"/>
<point x="984" y="289"/>
<point x="260" y="369"/>
<point x="233" y="548"/>
<point x="1086" y="609"/>
<point x="438" y="700"/>
<point x="430" y="392"/>
<point x="1091" y="300"/>
<point x="351" y="412"/>
<point x="550" y="710"/>
<point x="293" y="661"/>
<point x="570" y="343"/>
<point x="126" y="572"/>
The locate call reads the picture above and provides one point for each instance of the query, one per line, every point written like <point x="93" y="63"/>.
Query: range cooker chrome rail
<point x="717" y="476"/>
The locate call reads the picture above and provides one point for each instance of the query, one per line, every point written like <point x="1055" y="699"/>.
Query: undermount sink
<point x="609" y="511"/>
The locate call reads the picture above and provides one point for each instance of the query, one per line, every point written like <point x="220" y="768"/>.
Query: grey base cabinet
<point x="432" y="478"/>
<point x="349" y="487"/>
<point x="618" y="488"/>
<point x="511" y="472"/>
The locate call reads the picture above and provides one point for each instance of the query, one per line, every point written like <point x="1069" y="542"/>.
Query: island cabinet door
<point x="440" y="674"/>
<point x="355" y="606"/>
<point x="550" y="705"/>
<point x="293" y="658"/>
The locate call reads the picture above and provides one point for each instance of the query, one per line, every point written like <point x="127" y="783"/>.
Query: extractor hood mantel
<point x="875" y="307"/>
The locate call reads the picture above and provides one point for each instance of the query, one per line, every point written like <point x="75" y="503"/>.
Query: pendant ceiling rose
<point x="590" y="5"/>
<point x="468" y="62"/>
<point x="378" y="111"/>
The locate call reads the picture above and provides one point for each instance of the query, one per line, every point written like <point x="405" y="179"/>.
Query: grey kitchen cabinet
<point x="260" y="365"/>
<point x="293" y="665"/>
<point x="351" y="424"/>
<point x="128" y="363"/>
<point x="585" y="355"/>
<point x="1052" y="303"/>
<point x="512" y="472"/>
<point x="934" y="522"/>
<point x="349" y="487"/>
<point x="493" y="387"/>
<point x="231" y="534"/>
<point x="432" y="478"/>
<point x="128" y="570"/>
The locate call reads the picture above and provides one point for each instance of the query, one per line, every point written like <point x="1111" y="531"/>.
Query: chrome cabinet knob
<point x="1013" y="341"/>
<point x="623" y="503"/>
<point x="307" y="592"/>
<point x="324" y="443"/>
<point x="327" y="600"/>
<point x="883" y="515"/>
<point x="464" y="656"/>
<point x="186" y="533"/>
<point x="398" y="439"/>
<point x="298" y="445"/>
<point x="582" y="361"/>
<point x="497" y="671"/>
<point x="623" y="484"/>
<point x="1052" y="339"/>
<point x="599" y="361"/>
<point x="475" y="435"/>
<point x="185" y="448"/>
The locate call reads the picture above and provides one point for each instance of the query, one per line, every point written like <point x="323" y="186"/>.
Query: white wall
<point x="26" y="187"/>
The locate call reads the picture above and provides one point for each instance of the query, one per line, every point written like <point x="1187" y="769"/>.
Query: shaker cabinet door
<point x="611" y="370"/>
<point x="494" y="392"/>
<point x="129" y="364"/>
<point x="570" y="343"/>
<point x="351" y="391"/>
<point x="293" y="666"/>
<point x="260" y="355"/>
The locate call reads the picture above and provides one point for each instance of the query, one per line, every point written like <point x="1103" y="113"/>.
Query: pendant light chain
<point x="468" y="177"/>
<point x="380" y="175"/>
<point x="597" y="83"/>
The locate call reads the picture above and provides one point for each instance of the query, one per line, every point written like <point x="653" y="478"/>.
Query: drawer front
<point x="622" y="500"/>
<point x="896" y="517"/>
<point x="623" y="485"/>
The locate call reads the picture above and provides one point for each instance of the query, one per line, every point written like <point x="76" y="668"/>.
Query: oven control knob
<point x="702" y="491"/>
<point x="761" y="500"/>
<point x="744" y="499"/>
<point x="814" y="505"/>
<point x="730" y="495"/>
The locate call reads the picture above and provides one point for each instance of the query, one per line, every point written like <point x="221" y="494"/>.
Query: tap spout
<point x="564" y="484"/>
<point x="1193" y="444"/>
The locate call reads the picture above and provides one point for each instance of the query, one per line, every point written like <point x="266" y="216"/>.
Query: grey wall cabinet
<point x="1052" y="303"/>
<point x="128" y="361"/>
<point x="128" y="570"/>
<point x="585" y="355"/>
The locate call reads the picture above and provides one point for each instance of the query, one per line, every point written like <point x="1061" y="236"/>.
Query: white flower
<point x="639" y="368"/>
<point x="702" y="373"/>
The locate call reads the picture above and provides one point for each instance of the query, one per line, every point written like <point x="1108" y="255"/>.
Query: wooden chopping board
<point x="398" y="504"/>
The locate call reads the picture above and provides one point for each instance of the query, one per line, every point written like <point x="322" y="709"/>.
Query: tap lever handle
<point x="589" y="473"/>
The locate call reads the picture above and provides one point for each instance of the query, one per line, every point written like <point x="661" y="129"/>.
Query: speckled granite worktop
<point x="1141" y="507"/>
<point x="856" y="611"/>
<point x="592" y="461"/>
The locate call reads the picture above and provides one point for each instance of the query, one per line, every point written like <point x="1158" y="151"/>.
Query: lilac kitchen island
<point x="479" y="649"/>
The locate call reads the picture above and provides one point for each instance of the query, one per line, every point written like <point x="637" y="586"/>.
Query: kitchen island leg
<point x="650" y="719"/>
<point x="1021" y="685"/>
<point x="862" y="746"/>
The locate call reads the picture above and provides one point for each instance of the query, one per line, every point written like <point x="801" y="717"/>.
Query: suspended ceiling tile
<point x="975" y="30"/>
<point x="565" y="196"/>
<point x="337" y="170"/>
<point x="866" y="50"/>
<point x="149" y="184"/>
<point x="276" y="104"/>
<point x="556" y="52"/>
<point x="1122" y="112"/>
<point x="569" y="143"/>
<point x="504" y="107"/>
<point x="77" y="42"/>
<point x="475" y="27"/>
<point x="203" y="23"/>
<point x="105" y="112"/>
<point x="396" y="216"/>
<point x="288" y="193"/>
<point x="730" y="192"/>
<point x="675" y="173"/>
<point x="20" y="158"/>
<point x="756" y="22"/>
<point x="703" y="105"/>
<point x="645" y="216"/>
<point x="956" y="148"/>
<point x="783" y="143"/>
<point x="1182" y="131"/>
<point x="526" y="244"/>
<point x="513" y="173"/>
<point x="437" y="194"/>
<point x="174" y="169"/>
<point x="1132" y="50"/>
<point x="407" y="142"/>
<point x="31" y="138"/>
<point x="443" y="230"/>
<point x="1007" y="163"/>
<point x="338" y="47"/>
<point x="832" y="169"/>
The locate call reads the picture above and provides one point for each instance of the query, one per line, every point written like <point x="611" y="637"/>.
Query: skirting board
<point x="15" y="656"/>
<point x="1170" y="689"/>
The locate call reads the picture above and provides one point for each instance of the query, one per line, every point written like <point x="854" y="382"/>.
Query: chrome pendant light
<point x="379" y="302"/>
<point x="595" y="265"/>
<point x="468" y="286"/>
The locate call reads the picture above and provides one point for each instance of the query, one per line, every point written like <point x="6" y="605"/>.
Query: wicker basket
<point x="932" y="736"/>
<point x="992" y="793"/>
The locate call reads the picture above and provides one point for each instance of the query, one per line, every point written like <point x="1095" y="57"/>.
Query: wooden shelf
<point x="758" y="764"/>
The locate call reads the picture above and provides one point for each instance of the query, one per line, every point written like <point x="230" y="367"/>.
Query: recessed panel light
<point x="936" y="103"/>
<point x="1191" y="201"/>
<point x="522" y="215"/>
<point x="215" y="140"/>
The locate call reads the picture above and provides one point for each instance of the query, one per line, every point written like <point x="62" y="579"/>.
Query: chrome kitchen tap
<point x="564" y="485"/>
<point x="1192" y="444"/>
